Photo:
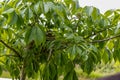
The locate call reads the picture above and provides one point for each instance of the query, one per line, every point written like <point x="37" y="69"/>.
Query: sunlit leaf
<point x="48" y="6"/>
<point x="108" y="13"/>
<point x="8" y="11"/>
<point x="105" y="56"/>
<point x="89" y="10"/>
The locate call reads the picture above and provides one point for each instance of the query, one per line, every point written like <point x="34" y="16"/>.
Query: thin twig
<point x="8" y="56"/>
<point x="17" y="53"/>
<point x="50" y="53"/>
<point x="107" y="39"/>
<point x="95" y="33"/>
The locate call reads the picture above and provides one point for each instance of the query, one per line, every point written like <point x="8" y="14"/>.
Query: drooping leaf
<point x="68" y="67"/>
<point x="72" y="52"/>
<point x="88" y="66"/>
<point x="95" y="14"/>
<point x="75" y="77"/>
<point x="69" y="76"/>
<point x="46" y="75"/>
<point x="20" y="21"/>
<point x="53" y="71"/>
<point x="27" y="35"/>
<point x="29" y="13"/>
<point x="48" y="6"/>
<point x="12" y="18"/>
<point x="88" y="10"/>
<point x="35" y="34"/>
<point x="105" y="56"/>
<point x="37" y="7"/>
<point x="78" y="50"/>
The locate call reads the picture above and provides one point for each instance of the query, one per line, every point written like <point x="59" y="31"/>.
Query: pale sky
<point x="103" y="5"/>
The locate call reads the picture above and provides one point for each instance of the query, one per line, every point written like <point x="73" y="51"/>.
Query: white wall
<point x="103" y="5"/>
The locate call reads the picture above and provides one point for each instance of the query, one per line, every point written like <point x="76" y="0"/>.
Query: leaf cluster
<point x="45" y="39"/>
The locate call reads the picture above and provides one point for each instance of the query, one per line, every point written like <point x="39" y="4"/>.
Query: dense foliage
<point x="45" y="39"/>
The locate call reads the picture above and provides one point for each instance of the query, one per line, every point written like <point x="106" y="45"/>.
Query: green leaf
<point x="77" y="4"/>
<point x="72" y="52"/>
<point x="70" y="36"/>
<point x="75" y="76"/>
<point x="48" y="6"/>
<point x="27" y="35"/>
<point x="16" y="72"/>
<point x="117" y="30"/>
<point x="105" y="56"/>
<point x="72" y="30"/>
<point x="53" y="71"/>
<point x="20" y="21"/>
<point x="58" y="59"/>
<point x="29" y="69"/>
<point x="78" y="39"/>
<point x="28" y="13"/>
<point x="8" y="11"/>
<point x="68" y="67"/>
<point x="88" y="10"/>
<point x="93" y="48"/>
<point x="118" y="55"/>
<point x="2" y="21"/>
<point x="94" y="56"/>
<point x="69" y="76"/>
<point x="35" y="66"/>
<point x="12" y="18"/>
<point x="79" y="51"/>
<point x="95" y="13"/>
<point x="46" y="75"/>
<point x="37" y="7"/>
<point x="108" y="13"/>
<point x="36" y="34"/>
<point x="88" y="66"/>
<point x="74" y="49"/>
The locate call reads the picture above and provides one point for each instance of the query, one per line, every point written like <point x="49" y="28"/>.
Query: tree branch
<point x="107" y="39"/>
<point x="95" y="33"/>
<point x="17" y="53"/>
